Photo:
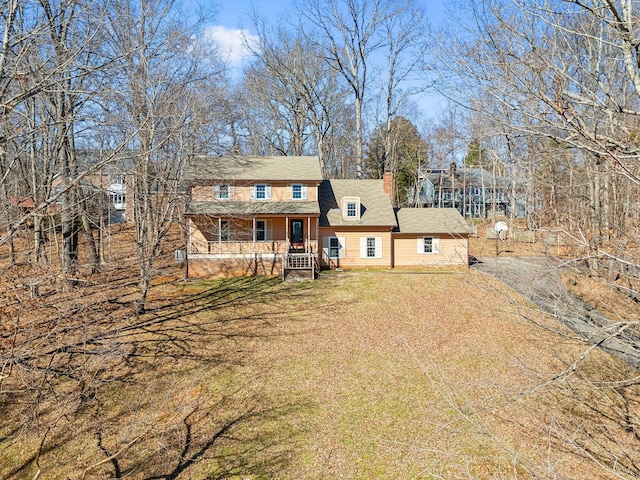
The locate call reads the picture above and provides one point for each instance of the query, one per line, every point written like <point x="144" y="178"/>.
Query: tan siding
<point x="202" y="193"/>
<point x="352" y="246"/>
<point x="453" y="251"/>
<point x="280" y="191"/>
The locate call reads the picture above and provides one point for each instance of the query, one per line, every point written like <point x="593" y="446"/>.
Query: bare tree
<point x="349" y="33"/>
<point x="300" y="94"/>
<point x="560" y="80"/>
<point x="161" y="71"/>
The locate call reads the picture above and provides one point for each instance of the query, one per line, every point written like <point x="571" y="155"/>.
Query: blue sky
<point x="234" y="15"/>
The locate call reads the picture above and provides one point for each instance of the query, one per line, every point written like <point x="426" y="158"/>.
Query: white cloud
<point x="231" y="43"/>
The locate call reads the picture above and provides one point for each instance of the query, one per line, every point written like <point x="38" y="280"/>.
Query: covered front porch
<point x="255" y="245"/>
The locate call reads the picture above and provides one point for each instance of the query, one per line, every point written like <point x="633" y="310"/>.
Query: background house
<point x="474" y="192"/>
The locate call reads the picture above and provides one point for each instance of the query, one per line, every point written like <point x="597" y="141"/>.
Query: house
<point x="253" y="215"/>
<point x="473" y="191"/>
<point x="275" y="215"/>
<point x="105" y="191"/>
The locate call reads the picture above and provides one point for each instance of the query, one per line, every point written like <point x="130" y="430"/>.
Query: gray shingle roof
<point x="431" y="220"/>
<point x="376" y="208"/>
<point x="230" y="168"/>
<point x="230" y="208"/>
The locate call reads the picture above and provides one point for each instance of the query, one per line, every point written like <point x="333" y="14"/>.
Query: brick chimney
<point x="387" y="182"/>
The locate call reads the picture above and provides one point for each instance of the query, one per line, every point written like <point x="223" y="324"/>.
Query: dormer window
<point x="351" y="208"/>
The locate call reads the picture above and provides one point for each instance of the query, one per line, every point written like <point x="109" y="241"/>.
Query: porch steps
<point x="299" y="266"/>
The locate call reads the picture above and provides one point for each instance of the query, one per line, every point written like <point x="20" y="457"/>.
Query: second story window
<point x="118" y="179"/>
<point x="298" y="191"/>
<point x="223" y="192"/>
<point x="261" y="191"/>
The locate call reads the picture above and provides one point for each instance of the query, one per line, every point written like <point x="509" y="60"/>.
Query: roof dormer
<point x="351" y="208"/>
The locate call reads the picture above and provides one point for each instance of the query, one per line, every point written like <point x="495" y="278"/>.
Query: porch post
<point x="286" y="234"/>
<point x="219" y="234"/>
<point x="308" y="249"/>
<point x="254" y="234"/>
<point x="318" y="246"/>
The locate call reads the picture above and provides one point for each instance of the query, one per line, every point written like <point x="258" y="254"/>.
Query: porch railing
<point x="280" y="247"/>
<point x="299" y="261"/>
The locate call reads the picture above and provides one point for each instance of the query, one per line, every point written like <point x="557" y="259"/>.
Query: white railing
<point x="280" y="247"/>
<point x="299" y="261"/>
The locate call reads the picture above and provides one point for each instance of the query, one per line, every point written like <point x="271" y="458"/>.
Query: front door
<point x="297" y="239"/>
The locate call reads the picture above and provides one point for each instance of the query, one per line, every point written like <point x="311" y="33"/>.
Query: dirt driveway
<point x="539" y="279"/>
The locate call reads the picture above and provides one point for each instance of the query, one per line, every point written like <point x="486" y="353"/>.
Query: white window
<point x="352" y="211"/>
<point x="298" y="191"/>
<point x="222" y="191"/>
<point x="335" y="247"/>
<point x="263" y="230"/>
<point x="118" y="179"/>
<point x="225" y="232"/>
<point x="261" y="191"/>
<point x="118" y="200"/>
<point x="428" y="245"/>
<point x="370" y="247"/>
<point x="351" y="208"/>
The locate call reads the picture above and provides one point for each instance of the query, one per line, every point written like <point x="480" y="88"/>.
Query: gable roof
<point x="431" y="220"/>
<point x="375" y="205"/>
<point x="251" y="168"/>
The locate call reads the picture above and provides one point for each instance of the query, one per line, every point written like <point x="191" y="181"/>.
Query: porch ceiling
<point x="231" y="208"/>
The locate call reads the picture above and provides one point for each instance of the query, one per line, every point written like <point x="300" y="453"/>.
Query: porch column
<point x="219" y="234"/>
<point x="189" y="235"/>
<point x="286" y="234"/>
<point x="308" y="249"/>
<point x="254" y="234"/>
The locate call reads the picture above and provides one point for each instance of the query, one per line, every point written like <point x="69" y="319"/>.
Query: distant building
<point x="474" y="192"/>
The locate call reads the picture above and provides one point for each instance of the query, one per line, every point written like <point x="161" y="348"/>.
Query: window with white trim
<point x="351" y="208"/>
<point x="263" y="230"/>
<point x="225" y="231"/>
<point x="335" y="247"/>
<point x="261" y="191"/>
<point x="352" y="211"/>
<point x="118" y="179"/>
<point x="118" y="200"/>
<point x="428" y="245"/>
<point x="298" y="191"/>
<point x="222" y="191"/>
<point x="370" y="247"/>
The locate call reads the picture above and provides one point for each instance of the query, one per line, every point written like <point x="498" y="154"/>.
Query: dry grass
<point x="358" y="375"/>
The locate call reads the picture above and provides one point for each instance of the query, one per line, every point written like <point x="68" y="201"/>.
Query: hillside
<point x="387" y="374"/>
